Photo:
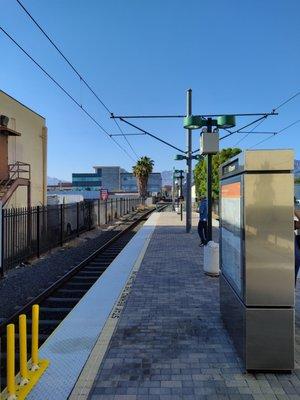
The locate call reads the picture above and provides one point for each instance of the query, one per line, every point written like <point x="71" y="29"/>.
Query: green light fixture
<point x="179" y="157"/>
<point x="226" y="121"/>
<point x="193" y="122"/>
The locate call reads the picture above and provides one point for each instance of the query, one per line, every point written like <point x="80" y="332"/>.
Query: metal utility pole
<point x="173" y="190"/>
<point x="181" y="179"/>
<point x="189" y="165"/>
<point x="209" y="186"/>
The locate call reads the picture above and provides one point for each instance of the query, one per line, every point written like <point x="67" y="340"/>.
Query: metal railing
<point x="30" y="232"/>
<point x="16" y="170"/>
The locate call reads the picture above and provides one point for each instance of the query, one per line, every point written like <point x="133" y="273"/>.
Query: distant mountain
<point x="53" y="181"/>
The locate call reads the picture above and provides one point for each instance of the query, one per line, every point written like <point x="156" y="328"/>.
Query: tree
<point x="200" y="171"/>
<point x="141" y="171"/>
<point x="297" y="180"/>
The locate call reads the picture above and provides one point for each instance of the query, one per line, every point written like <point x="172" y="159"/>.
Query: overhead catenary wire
<point x="249" y="133"/>
<point x="151" y="134"/>
<point x="274" y="112"/>
<point x="276" y="133"/>
<point x="64" y="91"/>
<point x="286" y="101"/>
<point x="83" y="80"/>
<point x="243" y="127"/>
<point x="75" y="70"/>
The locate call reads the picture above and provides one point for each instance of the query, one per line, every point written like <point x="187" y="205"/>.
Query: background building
<point x="23" y="154"/>
<point x="114" y="179"/>
<point x="129" y="184"/>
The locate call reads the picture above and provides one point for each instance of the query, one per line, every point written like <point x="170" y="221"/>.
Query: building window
<point x="85" y="178"/>
<point x="99" y="172"/>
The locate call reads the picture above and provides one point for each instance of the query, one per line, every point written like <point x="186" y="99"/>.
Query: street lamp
<point x="226" y="121"/>
<point x="193" y="122"/>
<point x="209" y="146"/>
<point x="197" y="122"/>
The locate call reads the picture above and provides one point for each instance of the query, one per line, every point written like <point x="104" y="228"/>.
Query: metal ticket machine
<point x="257" y="257"/>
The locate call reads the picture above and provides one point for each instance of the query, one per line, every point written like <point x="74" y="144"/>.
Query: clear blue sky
<point x="141" y="56"/>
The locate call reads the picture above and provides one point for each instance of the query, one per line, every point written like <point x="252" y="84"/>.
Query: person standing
<point x="202" y="224"/>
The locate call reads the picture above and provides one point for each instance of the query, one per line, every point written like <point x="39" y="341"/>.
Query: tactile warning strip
<point x="91" y="368"/>
<point x="70" y="345"/>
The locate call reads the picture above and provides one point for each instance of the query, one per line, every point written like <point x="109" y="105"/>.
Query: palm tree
<point x="141" y="171"/>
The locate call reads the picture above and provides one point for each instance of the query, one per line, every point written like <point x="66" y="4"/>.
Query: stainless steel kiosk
<point x="257" y="257"/>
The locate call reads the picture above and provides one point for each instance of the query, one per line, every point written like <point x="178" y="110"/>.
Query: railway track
<point x="58" y="299"/>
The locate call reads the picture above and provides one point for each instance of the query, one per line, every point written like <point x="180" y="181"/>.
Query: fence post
<point x="38" y="231"/>
<point x="61" y="224"/>
<point x="106" y="211"/>
<point x="1" y="240"/>
<point x="29" y="227"/>
<point x="98" y="212"/>
<point x="77" y="218"/>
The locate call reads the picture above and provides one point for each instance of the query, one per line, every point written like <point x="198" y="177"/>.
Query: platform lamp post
<point x="188" y="198"/>
<point x="209" y="145"/>
<point x="179" y="175"/>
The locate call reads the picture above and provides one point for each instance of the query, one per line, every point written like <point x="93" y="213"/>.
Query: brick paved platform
<point x="170" y="343"/>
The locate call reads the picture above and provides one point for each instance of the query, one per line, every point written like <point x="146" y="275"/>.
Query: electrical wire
<point x="102" y="102"/>
<point x="286" y="101"/>
<point x="82" y="79"/>
<point x="151" y="135"/>
<point x="276" y="133"/>
<point x="63" y="90"/>
<point x="248" y="133"/>
<point x="263" y="118"/>
<point x="243" y="127"/>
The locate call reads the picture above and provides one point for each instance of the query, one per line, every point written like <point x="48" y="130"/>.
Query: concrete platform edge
<point x="70" y="345"/>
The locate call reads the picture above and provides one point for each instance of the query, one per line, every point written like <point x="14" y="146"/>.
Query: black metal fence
<point x="29" y="232"/>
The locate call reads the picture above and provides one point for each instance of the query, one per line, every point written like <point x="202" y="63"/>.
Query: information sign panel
<point x="231" y="231"/>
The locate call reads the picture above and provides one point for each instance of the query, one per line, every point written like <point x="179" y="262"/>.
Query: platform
<point x="158" y="333"/>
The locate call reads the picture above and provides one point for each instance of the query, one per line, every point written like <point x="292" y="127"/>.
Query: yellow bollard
<point x="23" y="350"/>
<point x="11" y="386"/>
<point x="35" y="338"/>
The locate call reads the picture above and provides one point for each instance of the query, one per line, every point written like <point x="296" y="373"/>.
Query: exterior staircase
<point x="19" y="174"/>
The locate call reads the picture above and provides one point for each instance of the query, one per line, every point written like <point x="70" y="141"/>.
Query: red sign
<point x="103" y="194"/>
